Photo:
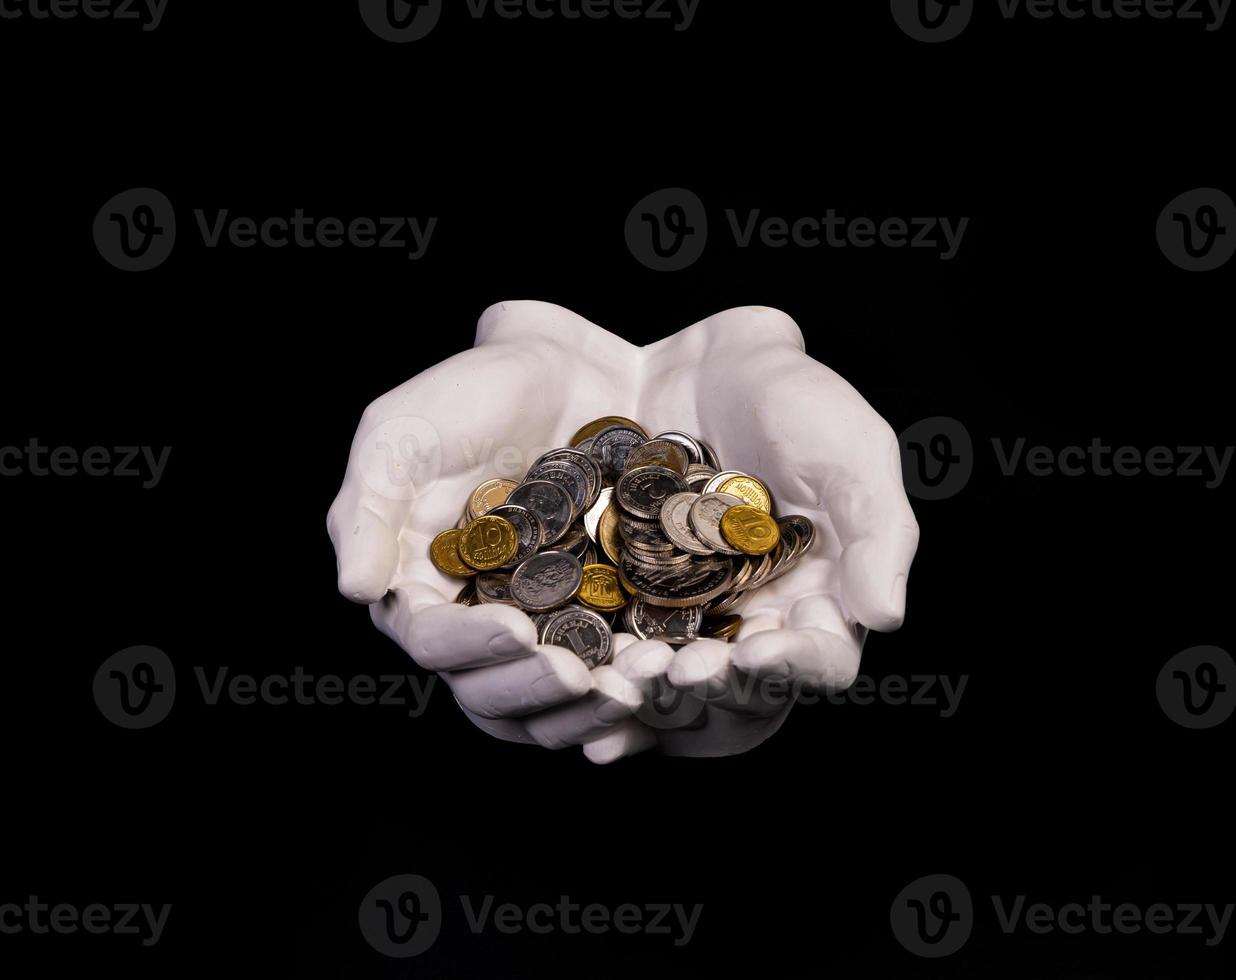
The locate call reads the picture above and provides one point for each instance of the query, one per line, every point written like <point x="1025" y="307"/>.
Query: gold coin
<point x="488" y="542"/>
<point x="592" y="428"/>
<point x="600" y="589"/>
<point x="608" y="534"/>
<point x="750" y="530"/>
<point x="444" y="553"/>
<point x="721" y="627"/>
<point x="490" y="494"/>
<point x="749" y="489"/>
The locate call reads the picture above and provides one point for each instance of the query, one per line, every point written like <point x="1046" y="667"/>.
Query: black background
<point x="1060" y="598"/>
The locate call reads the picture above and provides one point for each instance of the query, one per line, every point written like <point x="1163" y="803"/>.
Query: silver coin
<point x="550" y="502"/>
<point x="611" y="446"/>
<point x="710" y="457"/>
<point x="695" y="452"/>
<point x="695" y="584"/>
<point x="591" y="468"/>
<point x="592" y="518"/>
<point x="659" y="452"/>
<point x="660" y="559"/>
<point x="676" y="523"/>
<point x="575" y="541"/>
<point x="585" y="446"/>
<point x="803" y="526"/>
<point x="646" y="534"/>
<point x="574" y="478"/>
<point x="494" y="587"/>
<point x="546" y="581"/>
<point x="582" y="632"/>
<point x="650" y="622"/>
<point x="527" y="526"/>
<point x="698" y="476"/>
<point x="643" y="490"/>
<point x="787" y="554"/>
<point x="705" y="519"/>
<point x="716" y="481"/>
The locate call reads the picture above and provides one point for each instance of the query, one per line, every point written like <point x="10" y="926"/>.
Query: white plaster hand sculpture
<point x="741" y="381"/>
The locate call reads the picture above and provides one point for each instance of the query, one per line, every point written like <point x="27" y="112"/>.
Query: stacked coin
<point x="651" y="527"/>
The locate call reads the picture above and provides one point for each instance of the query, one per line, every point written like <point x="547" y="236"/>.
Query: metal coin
<point x="646" y="534"/>
<point x="661" y="559"/>
<point x="695" y="584"/>
<point x="751" y="490"/>
<point x="444" y="553"/>
<point x="550" y="502"/>
<point x="698" y="476"/>
<point x="608" y="533"/>
<point x="581" y="631"/>
<point x="695" y="452"/>
<point x="546" y="581"/>
<point x="676" y="524"/>
<point x="719" y="478"/>
<point x="710" y="457"/>
<point x="721" y="627"/>
<point x="590" y="430"/>
<point x="488" y="542"/>
<point x="527" y="525"/>
<point x="592" y="518"/>
<point x="750" y="530"/>
<point x="803" y="526"/>
<point x="494" y="587"/>
<point x="659" y="452"/>
<point x="783" y="557"/>
<point x="568" y="474"/>
<point x="467" y="595"/>
<point x="611" y="447"/>
<point x="490" y="494"/>
<point x="642" y="491"/>
<point x="705" y="519"/>
<point x="575" y="541"/>
<point x="600" y="590"/>
<point x="650" y="622"/>
<point x="591" y="468"/>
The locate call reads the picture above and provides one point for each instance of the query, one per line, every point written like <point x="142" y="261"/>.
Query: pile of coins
<point x="622" y="524"/>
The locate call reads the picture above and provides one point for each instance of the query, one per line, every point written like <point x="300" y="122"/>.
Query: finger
<point x="627" y="738"/>
<point x="506" y="729"/>
<point x="643" y="661"/>
<point x="441" y="635"/>
<point x="706" y="669"/>
<point x="613" y="699"/>
<point x="879" y="537"/>
<point x="364" y="528"/>
<point x="548" y="678"/>
<point x="817" y="650"/>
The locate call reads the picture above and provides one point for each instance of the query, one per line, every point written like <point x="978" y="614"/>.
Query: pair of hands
<point x="740" y="380"/>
